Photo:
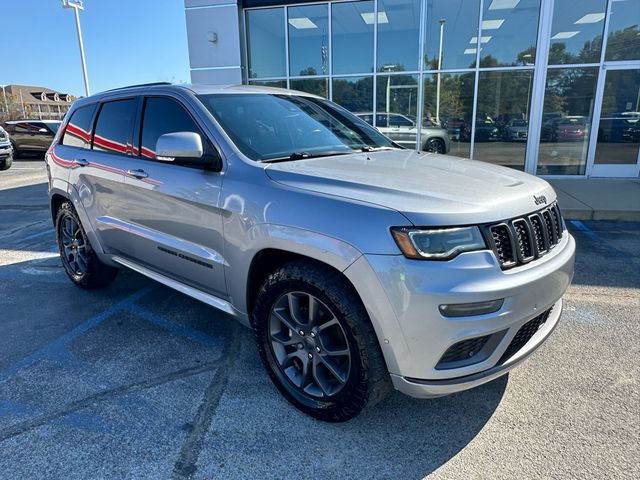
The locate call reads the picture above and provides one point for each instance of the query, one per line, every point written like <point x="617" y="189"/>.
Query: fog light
<point x="470" y="309"/>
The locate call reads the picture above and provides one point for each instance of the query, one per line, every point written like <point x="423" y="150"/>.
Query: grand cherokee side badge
<point x="540" y="200"/>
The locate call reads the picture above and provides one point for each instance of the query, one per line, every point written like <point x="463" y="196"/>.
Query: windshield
<point x="54" y="126"/>
<point x="268" y="126"/>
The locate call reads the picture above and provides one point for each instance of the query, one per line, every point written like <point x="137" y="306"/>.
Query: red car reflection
<point x="565" y="129"/>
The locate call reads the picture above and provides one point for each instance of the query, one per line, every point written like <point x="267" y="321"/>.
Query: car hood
<point x="428" y="189"/>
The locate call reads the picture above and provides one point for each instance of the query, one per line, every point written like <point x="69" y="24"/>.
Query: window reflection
<point x="458" y="20"/>
<point x="397" y="106"/>
<point x="352" y="31"/>
<point x="576" y="33"/>
<point x="502" y="120"/>
<point x="265" y="42"/>
<point x="398" y="35"/>
<point x="113" y="127"/>
<point x="624" y="31"/>
<point x="78" y="131"/>
<point x="509" y="33"/>
<point x="317" y="86"/>
<point x="619" y="129"/>
<point x="566" y="119"/>
<point x="456" y="108"/>
<point x="269" y="83"/>
<point x="308" y="40"/>
<point x="354" y="93"/>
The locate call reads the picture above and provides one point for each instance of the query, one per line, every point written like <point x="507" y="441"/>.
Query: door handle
<point x="137" y="173"/>
<point x="81" y="162"/>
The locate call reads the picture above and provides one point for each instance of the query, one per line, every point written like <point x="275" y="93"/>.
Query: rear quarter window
<point x="78" y="131"/>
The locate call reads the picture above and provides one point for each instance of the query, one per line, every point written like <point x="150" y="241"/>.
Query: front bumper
<point x="402" y="297"/>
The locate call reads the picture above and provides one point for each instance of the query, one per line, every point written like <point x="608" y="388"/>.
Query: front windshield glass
<point x="54" y="126"/>
<point x="271" y="126"/>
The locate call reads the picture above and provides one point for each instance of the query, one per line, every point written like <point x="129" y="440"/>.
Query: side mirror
<point x="179" y="145"/>
<point x="43" y="130"/>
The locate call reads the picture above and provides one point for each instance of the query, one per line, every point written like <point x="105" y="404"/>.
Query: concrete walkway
<point x="599" y="199"/>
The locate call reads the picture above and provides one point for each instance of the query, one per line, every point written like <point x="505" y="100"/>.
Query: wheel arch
<point x="268" y="260"/>
<point x="57" y="198"/>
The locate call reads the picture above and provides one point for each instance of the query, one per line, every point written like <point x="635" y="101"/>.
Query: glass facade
<point x="546" y="87"/>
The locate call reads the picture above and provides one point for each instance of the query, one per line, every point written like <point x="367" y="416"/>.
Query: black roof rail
<point x="138" y="85"/>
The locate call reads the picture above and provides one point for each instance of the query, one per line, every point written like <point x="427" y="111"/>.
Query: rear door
<point x="22" y="135"/>
<point x="100" y="156"/>
<point x="42" y="135"/>
<point x="174" y="214"/>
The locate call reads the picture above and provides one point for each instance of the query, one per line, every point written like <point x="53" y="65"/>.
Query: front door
<point x="174" y="218"/>
<point x="617" y="149"/>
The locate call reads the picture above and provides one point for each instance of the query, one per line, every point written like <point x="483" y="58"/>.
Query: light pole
<point x="77" y="5"/>
<point x="442" y="21"/>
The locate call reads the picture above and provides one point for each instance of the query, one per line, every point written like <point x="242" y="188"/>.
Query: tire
<point x="6" y="163"/>
<point x="434" y="145"/>
<point x="344" y="338"/>
<point x="79" y="260"/>
<point x="16" y="152"/>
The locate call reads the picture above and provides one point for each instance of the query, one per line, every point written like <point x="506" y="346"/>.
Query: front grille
<point x="525" y="333"/>
<point x="463" y="350"/>
<point x="520" y="240"/>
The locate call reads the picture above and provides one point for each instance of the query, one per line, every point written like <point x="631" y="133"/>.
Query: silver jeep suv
<point x="358" y="264"/>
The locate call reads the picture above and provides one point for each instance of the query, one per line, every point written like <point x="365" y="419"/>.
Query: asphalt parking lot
<point x="136" y="381"/>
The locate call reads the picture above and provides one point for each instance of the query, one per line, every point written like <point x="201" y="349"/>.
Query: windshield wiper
<point x="301" y="156"/>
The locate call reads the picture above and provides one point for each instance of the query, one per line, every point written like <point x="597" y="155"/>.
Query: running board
<point x="209" y="299"/>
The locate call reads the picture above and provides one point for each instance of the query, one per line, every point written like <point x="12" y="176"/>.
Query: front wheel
<point x="317" y="342"/>
<point x="6" y="163"/>
<point x="16" y="152"/>
<point x="79" y="260"/>
<point x="435" y="145"/>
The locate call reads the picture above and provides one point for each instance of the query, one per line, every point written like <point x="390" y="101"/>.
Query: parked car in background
<point x="565" y="129"/>
<point x="31" y="136"/>
<point x="6" y="150"/>
<point x="403" y="131"/>
<point x="358" y="264"/>
<point x="516" y="130"/>
<point x="619" y="127"/>
<point x="458" y="129"/>
<point x="486" y="131"/>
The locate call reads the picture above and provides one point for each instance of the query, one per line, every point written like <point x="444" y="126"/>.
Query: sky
<point x="125" y="43"/>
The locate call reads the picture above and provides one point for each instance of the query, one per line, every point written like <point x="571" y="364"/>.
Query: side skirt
<point x="207" y="298"/>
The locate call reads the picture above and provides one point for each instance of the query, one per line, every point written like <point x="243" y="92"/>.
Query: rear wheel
<point x="79" y="260"/>
<point x="317" y="342"/>
<point x="434" y="145"/>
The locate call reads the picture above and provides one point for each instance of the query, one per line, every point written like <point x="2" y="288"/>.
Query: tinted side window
<point x="382" y="120"/>
<point x="22" y="127"/>
<point x="113" y="128"/>
<point x="399" y="121"/>
<point x="78" y="131"/>
<point x="163" y="115"/>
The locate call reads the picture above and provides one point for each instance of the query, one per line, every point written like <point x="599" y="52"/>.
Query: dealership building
<point x="551" y="87"/>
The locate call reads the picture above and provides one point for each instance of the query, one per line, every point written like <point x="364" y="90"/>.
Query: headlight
<point x="438" y="244"/>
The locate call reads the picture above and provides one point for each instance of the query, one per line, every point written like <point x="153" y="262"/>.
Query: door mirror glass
<point x="179" y="145"/>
